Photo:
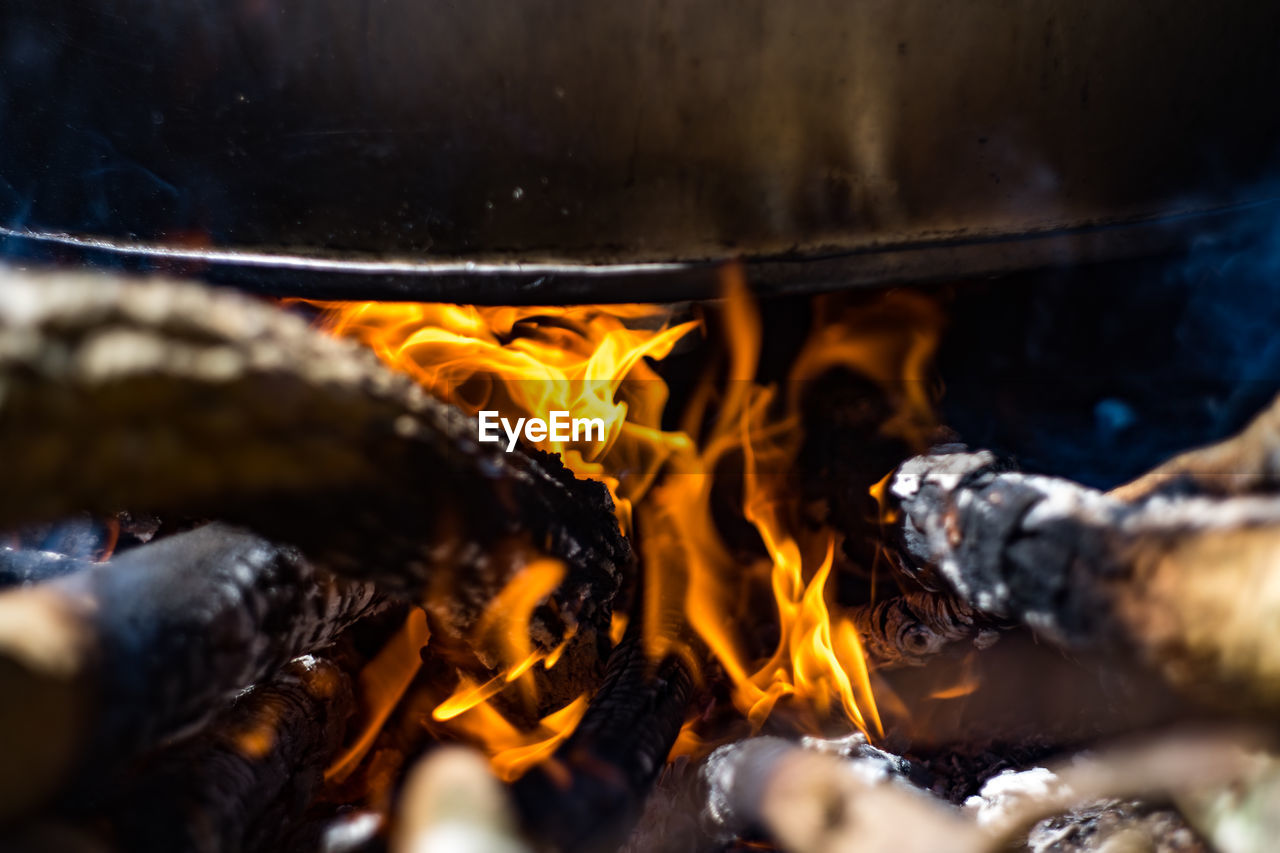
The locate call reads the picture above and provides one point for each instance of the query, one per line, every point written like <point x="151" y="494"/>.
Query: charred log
<point x="242" y="783"/>
<point x="176" y="398"/>
<point x="1115" y="825"/>
<point x="120" y="656"/>
<point x="1162" y="576"/>
<point x="808" y="801"/>
<point x="589" y="795"/>
<point x="909" y="629"/>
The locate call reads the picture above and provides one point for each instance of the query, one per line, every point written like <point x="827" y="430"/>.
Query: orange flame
<point x="591" y="362"/>
<point x="528" y="362"/>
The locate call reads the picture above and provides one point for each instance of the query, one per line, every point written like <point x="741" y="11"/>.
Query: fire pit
<point x="875" y="451"/>
<point x="271" y="586"/>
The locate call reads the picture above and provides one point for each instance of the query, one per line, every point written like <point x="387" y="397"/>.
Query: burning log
<point x="115" y="658"/>
<point x="816" y="800"/>
<point x="173" y="397"/>
<point x="240" y="784"/>
<point x="1163" y="576"/>
<point x="909" y="629"/>
<point x="590" y="793"/>
<point x="811" y="801"/>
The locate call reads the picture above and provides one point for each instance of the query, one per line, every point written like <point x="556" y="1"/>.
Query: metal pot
<point x="555" y="150"/>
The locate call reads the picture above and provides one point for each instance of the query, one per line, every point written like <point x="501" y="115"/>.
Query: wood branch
<point x="1115" y="826"/>
<point x="818" y="801"/>
<point x="111" y="660"/>
<point x="176" y="398"/>
<point x="809" y="802"/>
<point x="452" y="803"/>
<point x="242" y="783"/>
<point x="589" y="795"/>
<point x="1189" y="582"/>
<point x="1247" y="462"/>
<point x="911" y="628"/>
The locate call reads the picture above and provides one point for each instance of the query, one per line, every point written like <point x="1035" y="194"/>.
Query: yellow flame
<point x="511" y="750"/>
<point x="591" y="362"/>
<point x="381" y="684"/>
<point x="530" y="361"/>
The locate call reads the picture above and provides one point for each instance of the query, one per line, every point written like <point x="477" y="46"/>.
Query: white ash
<point x="1009" y="791"/>
<point x="873" y="763"/>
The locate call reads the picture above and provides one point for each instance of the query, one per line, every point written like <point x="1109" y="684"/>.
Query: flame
<point x="818" y="658"/>
<point x="527" y="362"/>
<point x="512" y="751"/>
<point x="382" y="682"/>
<point x="504" y="627"/>
<point x="699" y="591"/>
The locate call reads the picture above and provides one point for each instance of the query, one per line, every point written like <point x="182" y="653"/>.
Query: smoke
<point x="1100" y="372"/>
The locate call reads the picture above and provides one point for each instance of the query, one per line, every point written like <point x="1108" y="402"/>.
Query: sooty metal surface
<point x="563" y="150"/>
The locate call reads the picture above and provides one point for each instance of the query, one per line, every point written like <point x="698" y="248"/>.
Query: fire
<point x="594" y="362"/>
<point x="527" y="362"/>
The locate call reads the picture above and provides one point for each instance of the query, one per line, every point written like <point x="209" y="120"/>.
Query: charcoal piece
<point x="112" y="660"/>
<point x="244" y="782"/>
<point x="591" y="792"/>
<point x="1184" y="582"/>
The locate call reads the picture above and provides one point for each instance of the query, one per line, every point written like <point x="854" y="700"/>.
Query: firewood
<point x="1188" y="582"/>
<point x="806" y="800"/>
<point x="242" y="783"/>
<point x="809" y="802"/>
<point x="909" y="629"/>
<point x="1247" y="462"/>
<point x="592" y="790"/>
<point x="1115" y="826"/>
<point x="172" y="397"/>
<point x="452" y="803"/>
<point x="109" y="661"/>
<point x="1167" y="767"/>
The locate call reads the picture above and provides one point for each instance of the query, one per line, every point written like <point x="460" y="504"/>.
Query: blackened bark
<point x="909" y="629"/>
<point x="594" y="788"/>
<point x="1185" y="581"/>
<point x="175" y="398"/>
<point x="241" y="784"/>
<point x="114" y="659"/>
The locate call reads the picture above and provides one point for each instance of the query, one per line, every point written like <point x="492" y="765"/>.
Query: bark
<point x="1113" y="826"/>
<point x="805" y="800"/>
<point x="590" y="793"/>
<point x="244" y="782"/>
<point x="179" y="399"/>
<point x="1187" y="582"/>
<point x="114" y="659"/>
<point x="1248" y="462"/>
<point x="909" y="629"/>
<point x="808" y="801"/>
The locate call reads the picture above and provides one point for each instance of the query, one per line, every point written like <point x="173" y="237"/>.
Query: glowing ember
<point x="591" y="362"/>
